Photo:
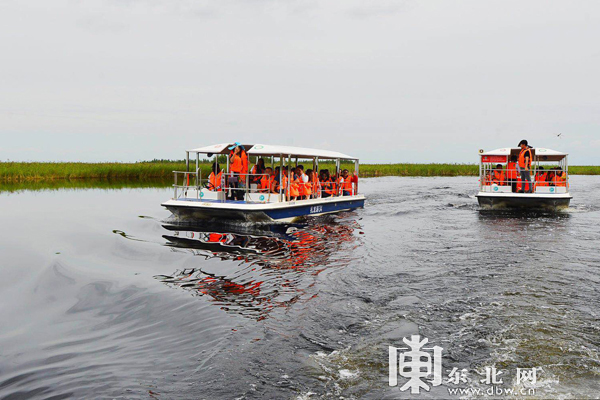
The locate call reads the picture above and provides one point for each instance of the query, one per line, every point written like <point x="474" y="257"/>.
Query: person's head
<point x="309" y="173"/>
<point x="261" y="163"/>
<point x="269" y="170"/>
<point x="523" y="144"/>
<point x="540" y="169"/>
<point x="345" y="173"/>
<point x="513" y="158"/>
<point x="499" y="167"/>
<point x="216" y="168"/>
<point x="237" y="150"/>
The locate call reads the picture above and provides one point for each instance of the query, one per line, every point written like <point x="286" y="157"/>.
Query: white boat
<point x="193" y="199"/>
<point x="547" y="190"/>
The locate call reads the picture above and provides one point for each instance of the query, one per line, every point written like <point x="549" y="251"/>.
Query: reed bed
<point x="162" y="170"/>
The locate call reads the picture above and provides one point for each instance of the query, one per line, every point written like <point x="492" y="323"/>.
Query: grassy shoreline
<point x="162" y="170"/>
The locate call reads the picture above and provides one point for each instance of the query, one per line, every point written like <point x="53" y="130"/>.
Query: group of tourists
<point x="302" y="184"/>
<point x="518" y="173"/>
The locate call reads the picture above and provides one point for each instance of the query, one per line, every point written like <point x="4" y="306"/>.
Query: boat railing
<point x="251" y="187"/>
<point x="186" y="177"/>
<point x="554" y="177"/>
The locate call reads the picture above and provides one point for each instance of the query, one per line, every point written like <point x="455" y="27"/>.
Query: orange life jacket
<point x="511" y="170"/>
<point x="215" y="181"/>
<point x="236" y="164"/>
<point x="560" y="180"/>
<point x="244" y="165"/>
<point x="265" y="182"/>
<point x="487" y="179"/>
<point x="525" y="153"/>
<point x="316" y="185"/>
<point x="304" y="187"/>
<point x="294" y="186"/>
<point x="347" y="184"/>
<point x="498" y="178"/>
<point x="541" y="179"/>
<point x="328" y="187"/>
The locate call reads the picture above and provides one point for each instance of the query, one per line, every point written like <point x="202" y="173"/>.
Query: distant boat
<point x="195" y="198"/>
<point x="549" y="175"/>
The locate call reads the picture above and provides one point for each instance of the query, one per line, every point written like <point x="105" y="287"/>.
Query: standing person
<point x="235" y="169"/>
<point x="525" y="159"/>
<point x="511" y="173"/>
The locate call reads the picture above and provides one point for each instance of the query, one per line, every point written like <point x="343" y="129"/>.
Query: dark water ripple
<point x="99" y="303"/>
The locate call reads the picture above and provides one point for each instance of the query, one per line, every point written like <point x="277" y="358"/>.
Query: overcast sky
<point x="387" y="81"/>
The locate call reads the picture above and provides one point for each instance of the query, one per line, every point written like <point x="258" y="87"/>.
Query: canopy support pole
<point x="356" y="171"/>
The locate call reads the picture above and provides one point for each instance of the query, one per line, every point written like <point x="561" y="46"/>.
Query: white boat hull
<point x="524" y="200"/>
<point x="198" y="209"/>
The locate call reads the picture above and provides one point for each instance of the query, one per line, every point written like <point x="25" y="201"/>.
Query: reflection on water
<point x="273" y="260"/>
<point x="97" y="302"/>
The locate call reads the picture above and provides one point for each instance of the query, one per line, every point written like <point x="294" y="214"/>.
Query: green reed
<point x="162" y="170"/>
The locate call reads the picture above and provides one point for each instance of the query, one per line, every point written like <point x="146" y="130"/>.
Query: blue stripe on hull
<point x="299" y="211"/>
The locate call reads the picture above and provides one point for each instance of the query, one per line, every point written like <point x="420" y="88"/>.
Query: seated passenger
<point x="275" y="185"/>
<point x="327" y="186"/>
<point x="498" y="175"/>
<point x="315" y="185"/>
<point x="294" y="191"/>
<point x="215" y="177"/>
<point x="541" y="177"/>
<point x="266" y="180"/>
<point x="550" y="178"/>
<point x="511" y="173"/>
<point x="304" y="187"/>
<point x="560" y="177"/>
<point x="346" y="183"/>
<point x="487" y="178"/>
<point x="257" y="171"/>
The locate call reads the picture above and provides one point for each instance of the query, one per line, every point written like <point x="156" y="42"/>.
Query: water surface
<point x="100" y="298"/>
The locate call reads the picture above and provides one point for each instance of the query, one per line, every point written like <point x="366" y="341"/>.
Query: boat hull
<point x="192" y="209"/>
<point x="523" y="200"/>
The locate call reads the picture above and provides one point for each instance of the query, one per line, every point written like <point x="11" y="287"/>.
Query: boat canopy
<point x="272" y="150"/>
<point x="539" y="154"/>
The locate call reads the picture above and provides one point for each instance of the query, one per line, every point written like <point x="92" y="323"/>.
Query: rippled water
<point x="100" y="298"/>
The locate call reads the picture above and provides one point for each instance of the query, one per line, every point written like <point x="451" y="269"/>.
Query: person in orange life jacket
<point x="235" y="169"/>
<point x="266" y="180"/>
<point x="550" y="178"/>
<point x="327" y="188"/>
<point x="560" y="177"/>
<point x="257" y="171"/>
<point x="346" y="183"/>
<point x="541" y="177"/>
<point x="487" y="178"/>
<point x="214" y="179"/>
<point x="304" y="187"/>
<point x="511" y="173"/>
<point x="294" y="191"/>
<point x="313" y="180"/>
<point x="244" y="157"/>
<point x="524" y="162"/>
<point x="276" y="180"/>
<point x="498" y="175"/>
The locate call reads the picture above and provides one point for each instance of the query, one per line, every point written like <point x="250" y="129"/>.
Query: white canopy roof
<point x="539" y="154"/>
<point x="540" y="151"/>
<point x="271" y="150"/>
